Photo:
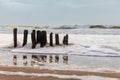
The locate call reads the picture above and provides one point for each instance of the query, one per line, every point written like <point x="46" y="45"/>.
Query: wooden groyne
<point x="39" y="37"/>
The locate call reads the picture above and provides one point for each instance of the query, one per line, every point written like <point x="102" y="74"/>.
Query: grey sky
<point x="58" y="12"/>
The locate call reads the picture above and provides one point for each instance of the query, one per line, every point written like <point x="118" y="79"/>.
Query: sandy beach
<point x="29" y="70"/>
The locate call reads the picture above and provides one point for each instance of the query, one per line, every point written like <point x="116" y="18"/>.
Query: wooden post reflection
<point x="50" y="59"/>
<point x="56" y="58"/>
<point x="25" y="60"/>
<point x="34" y="59"/>
<point x="65" y="59"/>
<point x="43" y="58"/>
<point x="14" y="59"/>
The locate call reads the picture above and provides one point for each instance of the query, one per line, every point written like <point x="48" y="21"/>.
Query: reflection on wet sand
<point x="56" y="58"/>
<point x="40" y="60"/>
<point x="25" y="60"/>
<point x="43" y="58"/>
<point x="50" y="59"/>
<point x="15" y="59"/>
<point x="35" y="60"/>
<point x="65" y="59"/>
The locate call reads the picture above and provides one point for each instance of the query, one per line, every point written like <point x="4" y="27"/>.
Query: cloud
<point x="86" y="3"/>
<point x="14" y="3"/>
<point x="65" y="3"/>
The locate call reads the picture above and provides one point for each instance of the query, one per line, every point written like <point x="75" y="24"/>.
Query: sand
<point x="41" y="71"/>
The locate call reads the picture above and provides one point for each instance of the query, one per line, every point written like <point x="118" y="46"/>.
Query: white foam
<point x="77" y="68"/>
<point x="99" y="48"/>
<point x="87" y="45"/>
<point x="78" y="40"/>
<point x="57" y="76"/>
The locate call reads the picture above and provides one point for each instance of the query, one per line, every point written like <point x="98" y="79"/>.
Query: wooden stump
<point x="25" y="37"/>
<point x="42" y="39"/>
<point x="64" y="39"/>
<point x="38" y="36"/>
<point x="15" y="37"/>
<point x="33" y="39"/>
<point x="56" y="39"/>
<point x="66" y="42"/>
<point x="51" y="39"/>
<point x="44" y="34"/>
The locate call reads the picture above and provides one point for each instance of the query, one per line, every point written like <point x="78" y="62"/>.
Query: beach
<point x="36" y="71"/>
<point x="59" y="40"/>
<point x="87" y="57"/>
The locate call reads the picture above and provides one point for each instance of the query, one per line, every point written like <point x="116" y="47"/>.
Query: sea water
<point x="103" y="42"/>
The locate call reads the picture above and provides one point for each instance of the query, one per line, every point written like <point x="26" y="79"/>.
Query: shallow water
<point x="61" y="62"/>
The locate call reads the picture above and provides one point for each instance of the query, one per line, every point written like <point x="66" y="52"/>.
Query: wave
<point x="101" y="51"/>
<point x="57" y="76"/>
<point x="26" y="27"/>
<point x="66" y="27"/>
<point x="104" y="27"/>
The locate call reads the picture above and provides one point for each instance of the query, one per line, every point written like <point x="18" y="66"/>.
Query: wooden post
<point x="15" y="37"/>
<point x="66" y="39"/>
<point x="42" y="39"/>
<point x="51" y="39"/>
<point x="25" y="37"/>
<point x="38" y="36"/>
<point x="33" y="39"/>
<point x="56" y="39"/>
<point x="44" y="34"/>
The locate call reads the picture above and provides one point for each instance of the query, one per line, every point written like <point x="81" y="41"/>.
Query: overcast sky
<point x="58" y="12"/>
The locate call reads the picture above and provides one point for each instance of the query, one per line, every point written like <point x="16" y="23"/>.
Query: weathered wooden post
<point x="25" y="37"/>
<point x="56" y="39"/>
<point x="15" y="37"/>
<point x="38" y="36"/>
<point x="66" y="42"/>
<point x="44" y="34"/>
<point x="33" y="39"/>
<point x="42" y="39"/>
<point x="64" y="39"/>
<point x="51" y="39"/>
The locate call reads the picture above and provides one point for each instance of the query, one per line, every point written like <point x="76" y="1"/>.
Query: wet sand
<point x="12" y="77"/>
<point x="59" y="72"/>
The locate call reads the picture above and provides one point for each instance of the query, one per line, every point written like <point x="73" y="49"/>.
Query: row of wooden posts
<point x="40" y="38"/>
